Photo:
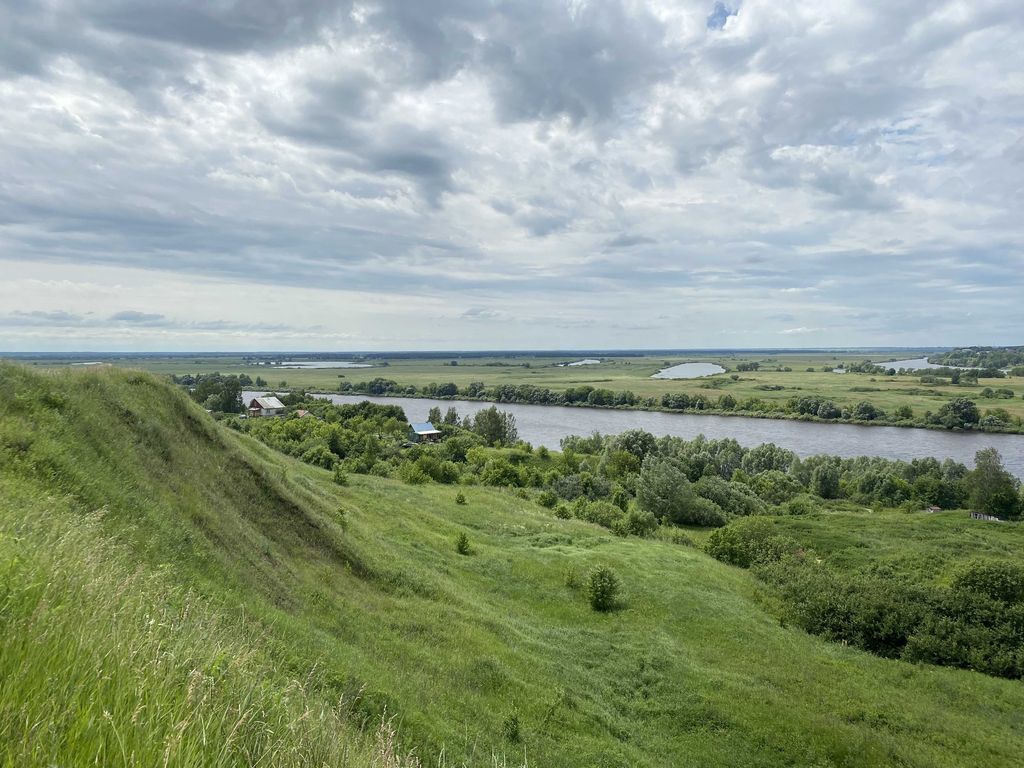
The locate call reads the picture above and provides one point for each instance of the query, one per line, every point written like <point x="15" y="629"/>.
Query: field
<point x="174" y="592"/>
<point x="770" y="383"/>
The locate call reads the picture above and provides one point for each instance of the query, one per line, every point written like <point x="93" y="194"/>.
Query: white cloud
<point x="563" y="174"/>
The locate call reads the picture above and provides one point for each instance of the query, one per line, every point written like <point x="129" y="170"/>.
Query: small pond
<point x="310" y="364"/>
<point x="689" y="371"/>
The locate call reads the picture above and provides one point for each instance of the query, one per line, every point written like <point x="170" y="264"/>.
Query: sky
<point x="464" y="174"/>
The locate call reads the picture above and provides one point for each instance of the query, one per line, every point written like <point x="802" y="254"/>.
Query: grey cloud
<point x="40" y="318"/>
<point x="233" y="26"/>
<point x="480" y="313"/>
<point x="628" y="241"/>
<point x="545" y="60"/>
<point x="616" y="156"/>
<point x="140" y="318"/>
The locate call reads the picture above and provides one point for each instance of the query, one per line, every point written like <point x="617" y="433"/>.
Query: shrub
<point x="735" y="499"/>
<point x="340" y="475"/>
<point x="572" y="578"/>
<point x="547" y="499"/>
<point x="603" y="589"/>
<point x="641" y="523"/>
<point x="998" y="579"/>
<point x="319" y="456"/>
<point x="462" y="544"/>
<point x="675" y="536"/>
<point x="562" y="512"/>
<point x="804" y="504"/>
<point x="602" y="513"/>
<point x="499" y="472"/>
<point x="747" y="542"/>
<point x="775" y="487"/>
<point x="410" y="473"/>
<point x="460" y="498"/>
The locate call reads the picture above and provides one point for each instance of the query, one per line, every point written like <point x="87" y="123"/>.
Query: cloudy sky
<point x="331" y="175"/>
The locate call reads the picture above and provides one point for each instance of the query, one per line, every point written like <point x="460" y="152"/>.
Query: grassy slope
<point x="916" y="545"/>
<point x="363" y="586"/>
<point x="633" y="373"/>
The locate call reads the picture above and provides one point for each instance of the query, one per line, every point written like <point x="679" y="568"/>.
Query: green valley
<point x="174" y="592"/>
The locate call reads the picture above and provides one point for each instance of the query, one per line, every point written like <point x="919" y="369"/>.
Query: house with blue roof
<point x="423" y="432"/>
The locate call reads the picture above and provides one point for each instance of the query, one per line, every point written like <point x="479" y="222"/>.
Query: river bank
<point x="548" y="424"/>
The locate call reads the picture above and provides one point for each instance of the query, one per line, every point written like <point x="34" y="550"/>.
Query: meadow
<point x="772" y="383"/>
<point x="174" y="592"/>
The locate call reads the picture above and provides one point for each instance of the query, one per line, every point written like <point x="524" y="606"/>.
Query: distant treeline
<point x="982" y="357"/>
<point x="959" y="413"/>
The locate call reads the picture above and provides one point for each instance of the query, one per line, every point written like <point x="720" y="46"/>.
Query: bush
<point x="641" y="523"/>
<point x="319" y="456"/>
<point x="775" y="487"/>
<point x="747" y="542"/>
<point x="572" y="578"/>
<point x="340" y="475"/>
<point x="547" y="499"/>
<point x="603" y="589"/>
<point x="997" y="579"/>
<point x="460" y="498"/>
<point x="462" y="544"/>
<point x="410" y="473"/>
<point x="735" y="499"/>
<point x="804" y="504"/>
<point x="603" y="513"/>
<point x="499" y="472"/>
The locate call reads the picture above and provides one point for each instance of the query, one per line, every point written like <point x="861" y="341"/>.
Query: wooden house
<point x="423" y="432"/>
<point x="265" y="406"/>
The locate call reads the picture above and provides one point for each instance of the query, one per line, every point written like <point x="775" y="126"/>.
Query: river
<point x="547" y="425"/>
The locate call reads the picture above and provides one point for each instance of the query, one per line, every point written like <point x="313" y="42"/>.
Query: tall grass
<point x="104" y="664"/>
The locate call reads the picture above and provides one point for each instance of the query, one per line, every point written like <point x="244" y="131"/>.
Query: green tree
<point x="664" y="490"/>
<point x="960" y="412"/>
<point x="825" y="481"/>
<point x="495" y="426"/>
<point x="635" y="441"/>
<point x="993" y="490"/>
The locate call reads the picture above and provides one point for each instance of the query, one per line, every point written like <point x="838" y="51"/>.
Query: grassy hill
<point x="174" y="593"/>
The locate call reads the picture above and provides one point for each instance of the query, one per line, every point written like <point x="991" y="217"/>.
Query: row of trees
<point x="701" y="482"/>
<point x="959" y="413"/>
<point x="981" y="357"/>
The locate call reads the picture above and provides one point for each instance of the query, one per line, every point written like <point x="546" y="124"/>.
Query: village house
<point x="423" y="433"/>
<point x="265" y="406"/>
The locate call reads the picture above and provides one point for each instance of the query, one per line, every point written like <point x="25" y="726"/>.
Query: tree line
<point x="958" y="413"/>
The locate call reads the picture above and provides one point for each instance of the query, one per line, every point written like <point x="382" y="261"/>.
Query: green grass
<point x="207" y="593"/>
<point x="627" y="373"/>
<point x="916" y="546"/>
